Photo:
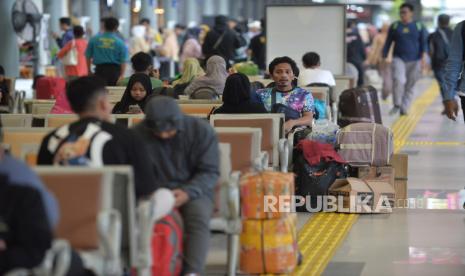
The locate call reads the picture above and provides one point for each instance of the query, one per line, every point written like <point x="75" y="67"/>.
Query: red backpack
<point x="167" y="246"/>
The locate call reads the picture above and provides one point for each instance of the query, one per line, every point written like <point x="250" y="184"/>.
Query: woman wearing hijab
<point x="170" y="46"/>
<point x="191" y="70"/>
<point x="214" y="78"/>
<point x="191" y="47"/>
<point x="138" y="43"/>
<point x="236" y="97"/>
<point x="139" y="89"/>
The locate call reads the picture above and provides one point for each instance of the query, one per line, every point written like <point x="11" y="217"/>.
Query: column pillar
<point x="235" y="7"/>
<point x="223" y="7"/>
<point x="91" y="9"/>
<point x="260" y="9"/>
<point x="122" y="10"/>
<point x="9" y="52"/>
<point x="208" y="7"/>
<point x="249" y="7"/>
<point x="54" y="9"/>
<point x="192" y="12"/>
<point x="170" y="13"/>
<point x="147" y="11"/>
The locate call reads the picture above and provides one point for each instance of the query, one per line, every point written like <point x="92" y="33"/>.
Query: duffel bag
<point x="366" y="144"/>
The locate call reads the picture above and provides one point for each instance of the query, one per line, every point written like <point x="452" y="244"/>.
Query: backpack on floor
<point x="314" y="181"/>
<point x="167" y="246"/>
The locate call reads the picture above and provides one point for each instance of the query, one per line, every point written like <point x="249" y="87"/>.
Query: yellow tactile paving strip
<point x="434" y="143"/>
<point x="405" y="125"/>
<point x="324" y="232"/>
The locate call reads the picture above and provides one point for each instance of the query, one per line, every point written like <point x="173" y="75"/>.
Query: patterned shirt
<point x="298" y="99"/>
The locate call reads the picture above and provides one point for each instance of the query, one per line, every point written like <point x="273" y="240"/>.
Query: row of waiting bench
<point x="241" y="145"/>
<point x="263" y="132"/>
<point x="100" y="219"/>
<point x="188" y="106"/>
<point x="104" y="232"/>
<point x="249" y="139"/>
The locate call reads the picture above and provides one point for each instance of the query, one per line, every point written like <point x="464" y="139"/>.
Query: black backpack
<point x="314" y="181"/>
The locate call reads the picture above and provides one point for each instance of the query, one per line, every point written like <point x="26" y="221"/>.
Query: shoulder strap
<point x="219" y="40"/>
<point x="273" y="97"/>
<point x="395" y="25"/>
<point x="444" y="37"/>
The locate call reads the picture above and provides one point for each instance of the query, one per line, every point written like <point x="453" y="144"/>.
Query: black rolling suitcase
<point x="359" y="105"/>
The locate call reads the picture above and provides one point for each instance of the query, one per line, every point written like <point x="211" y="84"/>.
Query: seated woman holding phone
<point x="138" y="90"/>
<point x="286" y="97"/>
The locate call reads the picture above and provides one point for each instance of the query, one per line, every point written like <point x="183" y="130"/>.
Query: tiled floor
<point x="408" y="241"/>
<point x="416" y="241"/>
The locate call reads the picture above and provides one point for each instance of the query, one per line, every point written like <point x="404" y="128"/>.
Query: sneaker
<point x="394" y="111"/>
<point x="403" y="112"/>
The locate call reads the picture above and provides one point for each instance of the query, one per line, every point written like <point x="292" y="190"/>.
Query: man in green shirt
<point x="108" y="53"/>
<point x="143" y="63"/>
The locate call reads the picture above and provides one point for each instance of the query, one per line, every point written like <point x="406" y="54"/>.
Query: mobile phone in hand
<point x="134" y="109"/>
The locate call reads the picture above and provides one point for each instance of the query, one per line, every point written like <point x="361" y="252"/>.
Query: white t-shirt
<point x="316" y="75"/>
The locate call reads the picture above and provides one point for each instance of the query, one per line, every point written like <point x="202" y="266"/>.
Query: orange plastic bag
<point x="254" y="188"/>
<point x="269" y="246"/>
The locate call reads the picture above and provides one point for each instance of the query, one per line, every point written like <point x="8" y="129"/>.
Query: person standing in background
<point x="455" y="80"/>
<point x="257" y="48"/>
<point x="355" y="50"/>
<point x="180" y="31"/>
<point x="138" y="42"/>
<point x="169" y="53"/>
<point x="375" y="58"/>
<point x="108" y="52"/>
<point x="152" y="36"/>
<point x="80" y="44"/>
<point x="439" y="44"/>
<point x="222" y="41"/>
<point x="410" y="47"/>
<point x="191" y="47"/>
<point x="65" y="26"/>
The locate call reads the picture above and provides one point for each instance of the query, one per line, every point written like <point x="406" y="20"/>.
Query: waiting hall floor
<point x="428" y="241"/>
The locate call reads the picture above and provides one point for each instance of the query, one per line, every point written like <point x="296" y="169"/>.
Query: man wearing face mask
<point x="185" y="158"/>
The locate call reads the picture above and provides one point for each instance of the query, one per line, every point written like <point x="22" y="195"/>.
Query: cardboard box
<point x="384" y="174"/>
<point x="355" y="195"/>
<point x="399" y="162"/>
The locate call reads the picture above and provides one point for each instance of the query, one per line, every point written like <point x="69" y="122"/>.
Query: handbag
<point x="71" y="57"/>
<point x="289" y="113"/>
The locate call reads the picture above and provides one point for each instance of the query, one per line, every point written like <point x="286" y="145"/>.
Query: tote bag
<point x="71" y="57"/>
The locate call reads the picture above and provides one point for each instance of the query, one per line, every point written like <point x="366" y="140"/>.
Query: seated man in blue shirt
<point x="410" y="47"/>
<point x="108" y="53"/>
